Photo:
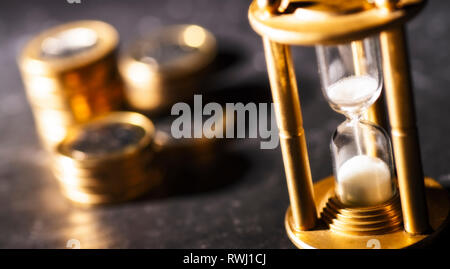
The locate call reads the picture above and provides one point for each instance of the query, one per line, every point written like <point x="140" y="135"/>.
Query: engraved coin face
<point x="107" y="138"/>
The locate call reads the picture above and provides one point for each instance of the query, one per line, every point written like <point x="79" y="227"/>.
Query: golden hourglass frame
<point x="315" y="218"/>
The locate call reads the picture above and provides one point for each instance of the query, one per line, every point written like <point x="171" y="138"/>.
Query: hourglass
<point x="361" y="150"/>
<point x="363" y="65"/>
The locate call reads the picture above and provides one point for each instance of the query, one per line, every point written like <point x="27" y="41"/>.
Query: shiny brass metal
<point x="376" y="112"/>
<point x="70" y="76"/>
<point x="322" y="237"/>
<point x="292" y="136"/>
<point x="405" y="140"/>
<point x="328" y="21"/>
<point x="67" y="151"/>
<point x="358" y="56"/>
<point x="373" y="220"/>
<point x="84" y="197"/>
<point x="52" y="52"/>
<point x="270" y="6"/>
<point x="165" y="66"/>
<point x="332" y="22"/>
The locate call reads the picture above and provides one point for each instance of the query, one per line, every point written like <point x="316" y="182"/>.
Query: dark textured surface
<point x="236" y="199"/>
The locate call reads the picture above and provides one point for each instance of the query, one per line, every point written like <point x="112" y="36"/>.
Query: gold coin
<point x="111" y="138"/>
<point x="87" y="178"/>
<point x="72" y="68"/>
<point x="93" y="166"/>
<point x="107" y="158"/>
<point x="68" y="47"/>
<point x="164" y="67"/>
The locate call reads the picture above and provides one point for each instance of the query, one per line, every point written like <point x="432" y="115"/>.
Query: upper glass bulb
<point x="351" y="75"/>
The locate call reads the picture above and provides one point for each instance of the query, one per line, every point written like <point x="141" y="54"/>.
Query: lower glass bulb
<point x="363" y="165"/>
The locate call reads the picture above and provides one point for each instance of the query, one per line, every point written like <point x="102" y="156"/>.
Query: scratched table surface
<point x="236" y="196"/>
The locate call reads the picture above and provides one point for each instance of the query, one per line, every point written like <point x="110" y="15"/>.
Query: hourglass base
<point x="373" y="220"/>
<point x="326" y="236"/>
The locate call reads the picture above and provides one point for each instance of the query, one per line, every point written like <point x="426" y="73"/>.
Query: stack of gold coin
<point x="70" y="75"/>
<point x="165" y="67"/>
<point x="108" y="160"/>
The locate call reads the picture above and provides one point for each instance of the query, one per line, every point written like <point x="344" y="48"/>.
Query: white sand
<point x="364" y="180"/>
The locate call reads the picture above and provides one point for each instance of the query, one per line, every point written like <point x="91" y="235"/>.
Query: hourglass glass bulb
<point x="364" y="180"/>
<point x="351" y="75"/>
<point x="363" y="164"/>
<point x="351" y="94"/>
<point x="351" y="82"/>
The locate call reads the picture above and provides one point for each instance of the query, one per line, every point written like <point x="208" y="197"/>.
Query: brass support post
<point x="292" y="137"/>
<point x="400" y="103"/>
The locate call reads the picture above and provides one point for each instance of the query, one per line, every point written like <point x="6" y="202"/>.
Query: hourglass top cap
<point x="329" y="21"/>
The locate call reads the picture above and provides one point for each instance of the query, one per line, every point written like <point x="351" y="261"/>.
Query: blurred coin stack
<point x="108" y="160"/>
<point x="165" y="66"/>
<point x="70" y="75"/>
<point x="73" y="86"/>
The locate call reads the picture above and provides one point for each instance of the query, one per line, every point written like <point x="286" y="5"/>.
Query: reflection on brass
<point x="376" y="113"/>
<point x="321" y="22"/>
<point x="270" y="6"/>
<point x="405" y="139"/>
<point x="374" y="220"/>
<point x="292" y="136"/>
<point x="70" y="75"/>
<point x="108" y="159"/>
<point x="165" y="66"/>
<point x="325" y="238"/>
<point x="333" y="22"/>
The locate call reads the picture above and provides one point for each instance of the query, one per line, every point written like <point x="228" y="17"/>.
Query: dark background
<point x="245" y="198"/>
